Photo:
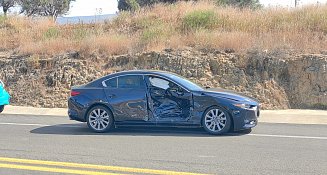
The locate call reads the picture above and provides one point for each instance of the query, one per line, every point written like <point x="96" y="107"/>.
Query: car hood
<point x="231" y="95"/>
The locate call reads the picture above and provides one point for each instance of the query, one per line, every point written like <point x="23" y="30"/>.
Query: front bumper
<point x="245" y="118"/>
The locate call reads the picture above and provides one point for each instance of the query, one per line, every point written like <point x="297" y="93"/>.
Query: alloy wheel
<point x="99" y="119"/>
<point x="215" y="120"/>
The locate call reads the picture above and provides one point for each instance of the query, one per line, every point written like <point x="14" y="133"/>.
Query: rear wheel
<point x="216" y="121"/>
<point x="99" y="119"/>
<point x="2" y="107"/>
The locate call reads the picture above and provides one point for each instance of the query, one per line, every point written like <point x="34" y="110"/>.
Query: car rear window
<point x="131" y="81"/>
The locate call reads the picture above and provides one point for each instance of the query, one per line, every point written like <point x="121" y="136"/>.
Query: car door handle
<point x="111" y="96"/>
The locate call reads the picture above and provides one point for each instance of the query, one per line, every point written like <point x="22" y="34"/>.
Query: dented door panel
<point x="128" y="97"/>
<point x="128" y="104"/>
<point x="167" y="102"/>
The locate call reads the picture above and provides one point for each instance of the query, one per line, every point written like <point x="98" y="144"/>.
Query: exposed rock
<point x="278" y="82"/>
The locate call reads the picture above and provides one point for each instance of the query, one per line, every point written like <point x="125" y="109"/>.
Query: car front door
<point x="127" y="96"/>
<point x="168" y="101"/>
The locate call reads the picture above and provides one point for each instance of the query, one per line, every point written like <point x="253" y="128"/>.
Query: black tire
<point x="98" y="123"/>
<point x="2" y="107"/>
<point x="219" y="125"/>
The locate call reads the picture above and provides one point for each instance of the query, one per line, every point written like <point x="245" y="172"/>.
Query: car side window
<point x="111" y="83"/>
<point x="159" y="83"/>
<point x="131" y="81"/>
<point x="162" y="83"/>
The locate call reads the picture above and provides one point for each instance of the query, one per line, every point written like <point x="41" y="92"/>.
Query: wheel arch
<point x="220" y="106"/>
<point x="100" y="104"/>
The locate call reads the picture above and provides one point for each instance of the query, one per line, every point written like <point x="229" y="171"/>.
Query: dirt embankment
<point x="278" y="81"/>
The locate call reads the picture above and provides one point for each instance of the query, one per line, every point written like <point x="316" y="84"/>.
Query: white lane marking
<point x="35" y="124"/>
<point x="23" y="124"/>
<point x="203" y="156"/>
<point x="288" y="136"/>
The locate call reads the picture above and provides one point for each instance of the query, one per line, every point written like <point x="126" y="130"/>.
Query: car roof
<point x="158" y="72"/>
<point x="155" y="72"/>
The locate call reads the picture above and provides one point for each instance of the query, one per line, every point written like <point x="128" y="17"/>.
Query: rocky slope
<point x="279" y="81"/>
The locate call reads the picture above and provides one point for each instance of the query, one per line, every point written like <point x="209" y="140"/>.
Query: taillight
<point x="74" y="93"/>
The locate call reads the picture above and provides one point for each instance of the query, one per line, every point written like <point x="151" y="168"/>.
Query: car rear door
<point x="127" y="96"/>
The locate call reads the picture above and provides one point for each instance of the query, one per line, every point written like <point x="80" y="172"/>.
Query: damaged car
<point x="4" y="97"/>
<point x="159" y="98"/>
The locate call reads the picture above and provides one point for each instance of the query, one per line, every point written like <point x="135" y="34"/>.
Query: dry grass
<point x="197" y="24"/>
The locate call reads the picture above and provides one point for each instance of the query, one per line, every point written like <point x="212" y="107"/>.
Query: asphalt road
<point x="27" y="143"/>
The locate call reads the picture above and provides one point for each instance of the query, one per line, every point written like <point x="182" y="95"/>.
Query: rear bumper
<point x="245" y="118"/>
<point x="75" y="111"/>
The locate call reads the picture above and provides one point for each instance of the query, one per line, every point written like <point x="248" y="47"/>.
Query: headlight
<point x="243" y="105"/>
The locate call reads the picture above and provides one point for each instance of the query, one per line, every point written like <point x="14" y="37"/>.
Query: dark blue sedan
<point x="157" y="98"/>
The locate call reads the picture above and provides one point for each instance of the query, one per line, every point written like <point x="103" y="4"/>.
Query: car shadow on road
<point x="81" y="129"/>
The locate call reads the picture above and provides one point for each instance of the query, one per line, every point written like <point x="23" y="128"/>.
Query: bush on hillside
<point x="124" y="5"/>
<point x="201" y="19"/>
<point x="252" y="4"/>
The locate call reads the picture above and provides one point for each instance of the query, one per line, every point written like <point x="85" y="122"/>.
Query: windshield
<point x="185" y="82"/>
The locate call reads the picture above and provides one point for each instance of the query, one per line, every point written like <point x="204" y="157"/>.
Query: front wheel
<point x="2" y="107"/>
<point x="216" y="121"/>
<point x="99" y="119"/>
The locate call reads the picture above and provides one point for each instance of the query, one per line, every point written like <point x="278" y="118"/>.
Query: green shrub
<point x="153" y="29"/>
<point x="121" y="19"/>
<point x="81" y="33"/>
<point x="202" y="19"/>
<point x="320" y="106"/>
<point x="152" y="34"/>
<point x="146" y="22"/>
<point x="52" y="33"/>
<point x="2" y="20"/>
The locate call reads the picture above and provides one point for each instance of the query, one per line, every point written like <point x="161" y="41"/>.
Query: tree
<point x="45" y="7"/>
<point x="6" y="4"/>
<point x="253" y="4"/>
<point x="148" y="2"/>
<point x="136" y="4"/>
<point x="130" y="5"/>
